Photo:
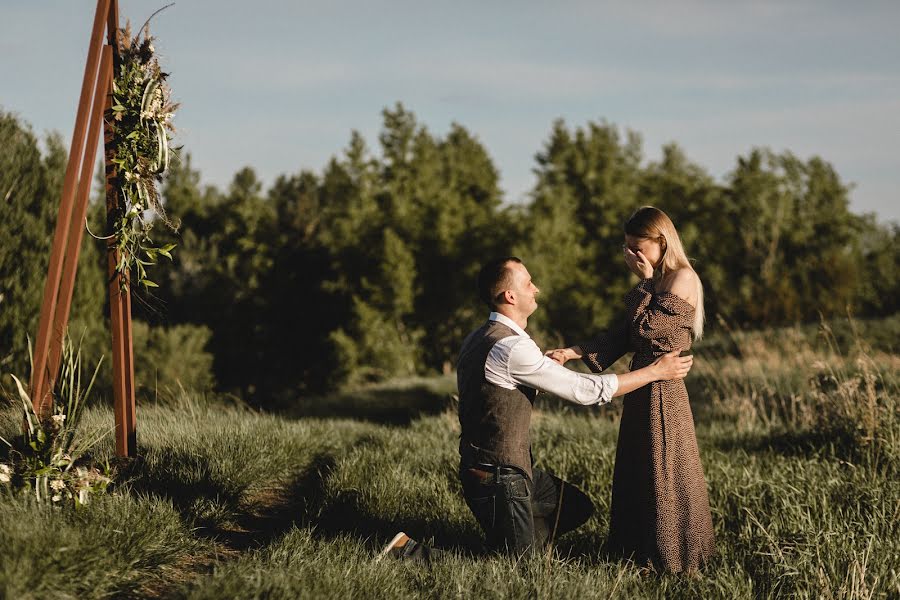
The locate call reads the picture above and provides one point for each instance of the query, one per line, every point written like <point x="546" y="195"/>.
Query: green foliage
<point x="796" y="257"/>
<point x="30" y="188"/>
<point x="334" y="278"/>
<point x="366" y="271"/>
<point x="586" y="188"/>
<point x="142" y="113"/>
<point x="879" y="248"/>
<point x="171" y="359"/>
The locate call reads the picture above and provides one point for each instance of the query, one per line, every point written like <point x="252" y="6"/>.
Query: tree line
<point x="365" y="270"/>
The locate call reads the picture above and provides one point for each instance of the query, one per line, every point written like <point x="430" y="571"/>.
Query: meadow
<point x="799" y="431"/>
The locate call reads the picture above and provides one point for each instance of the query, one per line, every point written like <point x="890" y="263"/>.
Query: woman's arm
<point x="598" y="353"/>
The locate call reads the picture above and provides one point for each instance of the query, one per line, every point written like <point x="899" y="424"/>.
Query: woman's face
<point x="649" y="248"/>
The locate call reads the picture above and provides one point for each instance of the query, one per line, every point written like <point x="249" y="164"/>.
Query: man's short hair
<point x="495" y="278"/>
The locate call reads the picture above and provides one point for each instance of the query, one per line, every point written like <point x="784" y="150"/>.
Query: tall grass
<point x="814" y="395"/>
<point x="798" y="438"/>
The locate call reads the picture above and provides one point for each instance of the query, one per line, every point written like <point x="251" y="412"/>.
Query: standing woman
<point x="660" y="507"/>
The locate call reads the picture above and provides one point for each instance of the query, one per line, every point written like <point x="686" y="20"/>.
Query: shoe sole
<point x="390" y="546"/>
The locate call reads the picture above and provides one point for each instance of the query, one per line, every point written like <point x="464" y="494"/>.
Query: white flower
<point x="4" y="478"/>
<point x="58" y="485"/>
<point x="58" y="419"/>
<point x="56" y="498"/>
<point x="4" y="468"/>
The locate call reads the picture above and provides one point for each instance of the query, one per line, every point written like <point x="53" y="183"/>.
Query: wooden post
<point x="93" y="109"/>
<point x="42" y="377"/>
<point x="119" y="285"/>
<point x="79" y="212"/>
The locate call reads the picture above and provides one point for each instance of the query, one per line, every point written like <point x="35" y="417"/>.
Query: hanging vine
<point x="142" y="112"/>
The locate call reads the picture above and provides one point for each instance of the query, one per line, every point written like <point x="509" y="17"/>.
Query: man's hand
<point x="562" y="355"/>
<point x="672" y="366"/>
<point x="668" y="366"/>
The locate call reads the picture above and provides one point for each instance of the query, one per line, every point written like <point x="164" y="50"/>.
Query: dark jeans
<point x="517" y="514"/>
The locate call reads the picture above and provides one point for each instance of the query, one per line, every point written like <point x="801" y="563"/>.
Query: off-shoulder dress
<point x="660" y="506"/>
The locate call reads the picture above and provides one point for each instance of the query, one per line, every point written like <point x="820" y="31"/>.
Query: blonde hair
<point x="651" y="223"/>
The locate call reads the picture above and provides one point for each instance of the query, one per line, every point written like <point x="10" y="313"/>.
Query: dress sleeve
<point x="600" y="352"/>
<point x="656" y="315"/>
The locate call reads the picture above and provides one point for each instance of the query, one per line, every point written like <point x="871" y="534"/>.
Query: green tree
<point x="30" y="190"/>
<point x="795" y="238"/>
<point x="588" y="182"/>
<point x="879" y="258"/>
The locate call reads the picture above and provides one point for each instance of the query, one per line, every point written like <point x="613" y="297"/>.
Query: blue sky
<point x="280" y="85"/>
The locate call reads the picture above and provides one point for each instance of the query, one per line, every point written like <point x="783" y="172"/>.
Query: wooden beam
<point x="119" y="285"/>
<point x="76" y="230"/>
<point x="42" y="379"/>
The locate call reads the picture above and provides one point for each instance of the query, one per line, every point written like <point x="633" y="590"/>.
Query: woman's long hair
<point x="651" y="223"/>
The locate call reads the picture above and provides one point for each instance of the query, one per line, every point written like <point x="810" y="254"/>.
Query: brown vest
<point x="495" y="421"/>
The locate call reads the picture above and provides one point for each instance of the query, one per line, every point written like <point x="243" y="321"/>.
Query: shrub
<point x="167" y="358"/>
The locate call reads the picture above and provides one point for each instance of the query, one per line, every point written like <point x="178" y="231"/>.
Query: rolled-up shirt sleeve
<point x="528" y="366"/>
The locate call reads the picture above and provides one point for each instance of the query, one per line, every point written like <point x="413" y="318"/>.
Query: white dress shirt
<point x="516" y="360"/>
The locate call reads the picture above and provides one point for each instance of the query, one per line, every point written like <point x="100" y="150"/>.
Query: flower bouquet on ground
<point x="50" y="460"/>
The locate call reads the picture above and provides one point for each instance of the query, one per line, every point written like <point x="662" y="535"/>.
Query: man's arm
<point x="526" y="365"/>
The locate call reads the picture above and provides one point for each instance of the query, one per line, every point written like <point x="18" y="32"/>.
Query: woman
<point x="660" y="508"/>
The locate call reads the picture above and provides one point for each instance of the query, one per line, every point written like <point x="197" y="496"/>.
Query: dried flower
<point x="58" y="485"/>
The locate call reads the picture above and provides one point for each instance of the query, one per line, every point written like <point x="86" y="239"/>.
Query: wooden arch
<point x="95" y="102"/>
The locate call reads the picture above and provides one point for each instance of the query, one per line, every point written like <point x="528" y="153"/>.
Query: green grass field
<point x="801" y="447"/>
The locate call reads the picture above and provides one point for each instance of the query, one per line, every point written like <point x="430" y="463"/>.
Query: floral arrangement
<point x="49" y="460"/>
<point x="142" y="112"/>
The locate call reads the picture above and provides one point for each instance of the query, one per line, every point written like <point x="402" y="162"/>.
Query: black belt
<point x="486" y="472"/>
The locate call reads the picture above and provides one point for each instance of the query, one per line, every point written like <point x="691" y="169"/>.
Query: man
<point x="519" y="507"/>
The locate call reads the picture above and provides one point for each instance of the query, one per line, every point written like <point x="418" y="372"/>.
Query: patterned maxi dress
<point x="660" y="508"/>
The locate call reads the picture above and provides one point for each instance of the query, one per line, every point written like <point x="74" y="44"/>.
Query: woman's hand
<point x="638" y="263"/>
<point x="561" y="355"/>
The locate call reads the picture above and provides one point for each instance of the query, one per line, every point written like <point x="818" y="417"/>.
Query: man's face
<point x="523" y="289"/>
